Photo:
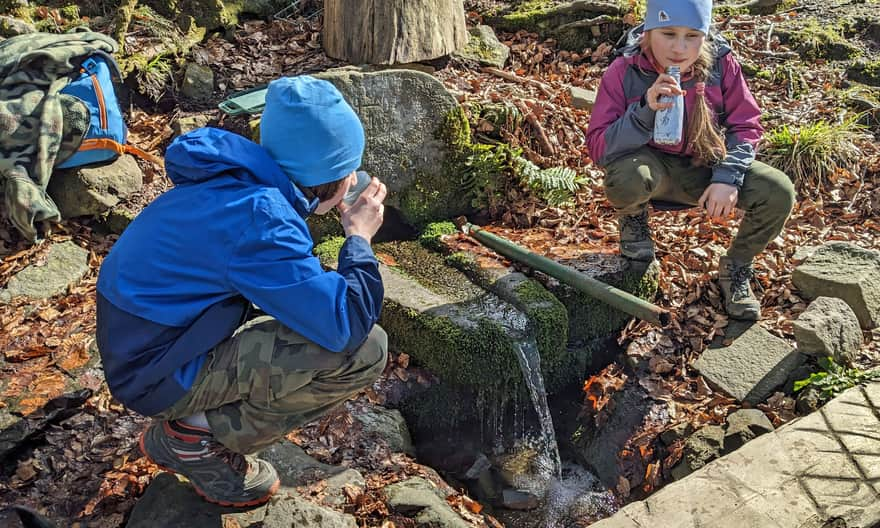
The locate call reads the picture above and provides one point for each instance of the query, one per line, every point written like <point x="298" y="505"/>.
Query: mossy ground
<point x="865" y="72"/>
<point x="814" y="40"/>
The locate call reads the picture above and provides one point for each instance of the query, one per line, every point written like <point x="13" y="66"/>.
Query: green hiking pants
<point x="767" y="194"/>
<point x="267" y="380"/>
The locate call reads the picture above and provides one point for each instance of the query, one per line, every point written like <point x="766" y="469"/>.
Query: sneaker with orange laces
<point x="217" y="473"/>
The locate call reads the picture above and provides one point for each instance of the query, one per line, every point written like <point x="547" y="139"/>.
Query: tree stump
<point x="393" y="31"/>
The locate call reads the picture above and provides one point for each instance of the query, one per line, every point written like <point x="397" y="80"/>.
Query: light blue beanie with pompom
<point x="695" y="14"/>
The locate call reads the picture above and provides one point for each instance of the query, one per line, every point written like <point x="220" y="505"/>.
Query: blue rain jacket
<point x="230" y="233"/>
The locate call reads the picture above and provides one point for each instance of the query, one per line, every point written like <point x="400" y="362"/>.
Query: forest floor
<point x="85" y="468"/>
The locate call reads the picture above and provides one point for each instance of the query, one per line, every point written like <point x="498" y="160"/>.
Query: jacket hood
<point x="206" y="153"/>
<point x="629" y="44"/>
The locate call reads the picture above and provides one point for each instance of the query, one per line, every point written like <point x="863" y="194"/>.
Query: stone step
<point x="821" y="470"/>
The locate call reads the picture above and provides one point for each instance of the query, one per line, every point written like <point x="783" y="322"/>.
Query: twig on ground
<point x="540" y="134"/>
<point x="517" y="79"/>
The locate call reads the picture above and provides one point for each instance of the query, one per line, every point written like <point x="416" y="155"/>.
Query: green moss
<point x="328" y="251"/>
<point x="766" y="75"/>
<point x="815" y="40"/>
<point x="552" y="19"/>
<point x="430" y="237"/>
<point x="476" y="168"/>
<point x="323" y="227"/>
<point x="865" y="72"/>
<point x="590" y="318"/>
<point x="550" y="320"/>
<point x="429" y="269"/>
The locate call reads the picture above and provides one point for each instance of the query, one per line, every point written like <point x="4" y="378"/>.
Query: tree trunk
<point x="393" y="31"/>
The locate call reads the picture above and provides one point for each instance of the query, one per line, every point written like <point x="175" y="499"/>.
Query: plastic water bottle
<point x="363" y="179"/>
<point x="669" y="122"/>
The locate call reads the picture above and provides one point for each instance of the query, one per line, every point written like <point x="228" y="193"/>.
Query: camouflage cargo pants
<point x="266" y="380"/>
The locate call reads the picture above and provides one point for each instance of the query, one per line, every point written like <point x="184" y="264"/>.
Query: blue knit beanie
<point x="695" y="14"/>
<point x="310" y="131"/>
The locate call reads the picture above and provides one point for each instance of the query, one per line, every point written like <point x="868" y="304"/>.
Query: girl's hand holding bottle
<point x="665" y="85"/>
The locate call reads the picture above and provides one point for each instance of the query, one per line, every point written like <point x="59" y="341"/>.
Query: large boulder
<point x="94" y="190"/>
<point x="409" y="119"/>
<point x="829" y="328"/>
<point x="846" y="271"/>
<point x="748" y="362"/>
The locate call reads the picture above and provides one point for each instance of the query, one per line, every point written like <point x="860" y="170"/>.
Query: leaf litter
<point x="85" y="467"/>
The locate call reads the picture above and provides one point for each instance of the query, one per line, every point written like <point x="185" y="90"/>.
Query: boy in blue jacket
<point x="175" y="290"/>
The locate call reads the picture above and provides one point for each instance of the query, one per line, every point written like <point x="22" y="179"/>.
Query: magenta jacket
<point x="621" y="123"/>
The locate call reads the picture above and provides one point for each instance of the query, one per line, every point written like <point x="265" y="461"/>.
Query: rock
<point x="467" y="337"/>
<point x="575" y="25"/>
<point x="388" y="425"/>
<point x="748" y="363"/>
<point x="93" y="190"/>
<point x="597" y="446"/>
<point x="701" y="448"/>
<point x="744" y="425"/>
<point x="296" y="468"/>
<point x="22" y="517"/>
<point x="405" y="116"/>
<point x="15" y="429"/>
<point x="12" y="27"/>
<point x="582" y="98"/>
<point x="809" y="400"/>
<point x="65" y="264"/>
<point x="551" y="303"/>
<point x="172" y="503"/>
<point x="846" y="271"/>
<point x="421" y="500"/>
<point x="484" y="48"/>
<point x="514" y="499"/>
<point x="198" y="82"/>
<point x="829" y="327"/>
<point x="676" y="433"/>
<point x="116" y="220"/>
<point x="480" y="466"/>
<point x="184" y="124"/>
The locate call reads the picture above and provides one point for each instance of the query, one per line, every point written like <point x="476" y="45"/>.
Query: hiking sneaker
<point x="739" y="300"/>
<point x="217" y="473"/>
<point x="635" y="237"/>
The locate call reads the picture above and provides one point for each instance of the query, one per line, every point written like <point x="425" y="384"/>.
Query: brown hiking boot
<point x="217" y="473"/>
<point x="635" y="237"/>
<point x="739" y="299"/>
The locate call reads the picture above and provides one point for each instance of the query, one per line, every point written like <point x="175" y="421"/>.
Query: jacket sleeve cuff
<point x="727" y="175"/>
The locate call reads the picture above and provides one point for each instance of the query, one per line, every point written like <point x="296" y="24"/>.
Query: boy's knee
<point x="373" y="353"/>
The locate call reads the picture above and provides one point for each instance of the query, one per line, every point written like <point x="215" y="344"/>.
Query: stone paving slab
<point x="821" y="467"/>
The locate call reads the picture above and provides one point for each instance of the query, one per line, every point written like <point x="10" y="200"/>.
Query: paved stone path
<point x="821" y="471"/>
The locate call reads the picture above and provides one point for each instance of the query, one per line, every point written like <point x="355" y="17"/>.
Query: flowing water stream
<point x="530" y="362"/>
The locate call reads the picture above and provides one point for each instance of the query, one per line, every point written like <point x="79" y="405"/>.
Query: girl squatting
<point x="712" y="167"/>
